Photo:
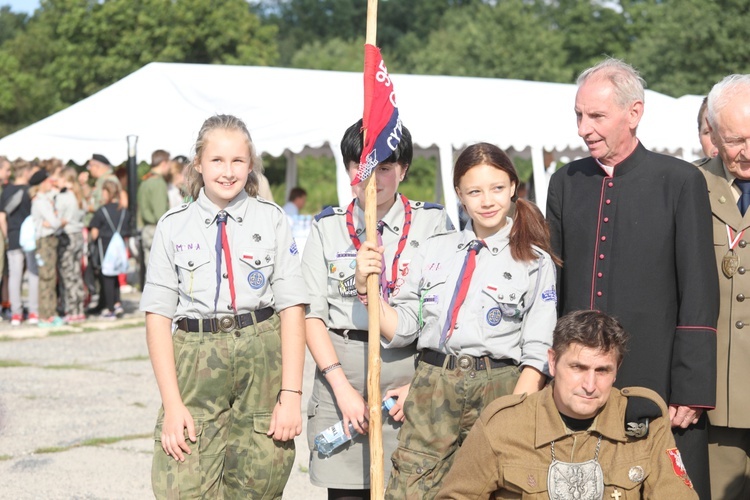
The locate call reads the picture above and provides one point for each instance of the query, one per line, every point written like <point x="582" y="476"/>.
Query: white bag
<point x="27" y="238"/>
<point x="115" y="259"/>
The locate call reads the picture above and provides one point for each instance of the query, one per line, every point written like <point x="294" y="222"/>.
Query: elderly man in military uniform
<point x="633" y="228"/>
<point x="568" y="440"/>
<point x="728" y="179"/>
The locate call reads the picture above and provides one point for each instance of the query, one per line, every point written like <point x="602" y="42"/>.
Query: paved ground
<point x="77" y="411"/>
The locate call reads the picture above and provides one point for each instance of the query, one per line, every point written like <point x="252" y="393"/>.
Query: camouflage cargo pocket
<point x="267" y="464"/>
<point x="413" y="475"/>
<point x="171" y="478"/>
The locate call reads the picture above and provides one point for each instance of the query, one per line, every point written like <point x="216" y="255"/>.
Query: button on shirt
<point x="509" y="311"/>
<point x="181" y="279"/>
<point x="329" y="261"/>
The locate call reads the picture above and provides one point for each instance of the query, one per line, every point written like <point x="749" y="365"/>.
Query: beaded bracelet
<point x="278" y="395"/>
<point x="328" y="369"/>
<point x="362" y="298"/>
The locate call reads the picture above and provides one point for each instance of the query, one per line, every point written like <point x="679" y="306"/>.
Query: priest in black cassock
<point x="634" y="231"/>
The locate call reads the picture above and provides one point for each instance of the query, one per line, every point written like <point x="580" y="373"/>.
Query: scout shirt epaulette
<point x="179" y="208"/>
<point x="501" y="404"/>
<point x="702" y="161"/>
<point x="269" y="202"/>
<point x="426" y="205"/>
<point x="329" y="211"/>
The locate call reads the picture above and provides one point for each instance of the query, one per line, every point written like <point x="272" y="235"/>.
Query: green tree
<point x="506" y="40"/>
<point x="335" y="54"/>
<point x="685" y="46"/>
<point x="591" y="29"/>
<point x="73" y="48"/>
<point x="10" y="23"/>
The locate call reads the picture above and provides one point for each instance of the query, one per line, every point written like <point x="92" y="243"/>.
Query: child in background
<point x="225" y="271"/>
<point x="70" y="205"/>
<point x="16" y="205"/>
<point x="46" y="225"/>
<point x="102" y="227"/>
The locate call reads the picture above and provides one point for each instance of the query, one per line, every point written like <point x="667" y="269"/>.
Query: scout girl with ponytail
<point x="482" y="305"/>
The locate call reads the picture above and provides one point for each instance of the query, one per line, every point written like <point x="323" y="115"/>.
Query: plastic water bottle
<point x="333" y="437"/>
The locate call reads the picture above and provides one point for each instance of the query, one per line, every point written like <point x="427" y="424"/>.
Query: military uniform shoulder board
<point x="501" y="404"/>
<point x="643" y="406"/>
<point x="702" y="161"/>
<point x="425" y="205"/>
<point x="329" y="211"/>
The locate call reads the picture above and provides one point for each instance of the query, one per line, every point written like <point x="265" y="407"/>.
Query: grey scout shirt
<point x="181" y="279"/>
<point x="43" y="210"/>
<point x="328" y="263"/>
<point x="510" y="309"/>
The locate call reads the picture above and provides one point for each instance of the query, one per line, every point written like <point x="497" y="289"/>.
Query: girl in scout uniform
<point x="479" y="338"/>
<point x="224" y="270"/>
<point x="337" y="322"/>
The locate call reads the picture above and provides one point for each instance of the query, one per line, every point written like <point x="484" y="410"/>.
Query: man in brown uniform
<point x="568" y="440"/>
<point x="728" y="177"/>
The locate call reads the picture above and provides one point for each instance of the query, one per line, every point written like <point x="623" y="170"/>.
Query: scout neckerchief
<point x="222" y="244"/>
<point x="401" y="242"/>
<point x="580" y="481"/>
<point x="731" y="261"/>
<point x="462" y="288"/>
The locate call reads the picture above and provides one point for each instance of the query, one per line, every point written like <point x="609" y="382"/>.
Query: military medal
<point x="731" y="261"/>
<point x="580" y="481"/>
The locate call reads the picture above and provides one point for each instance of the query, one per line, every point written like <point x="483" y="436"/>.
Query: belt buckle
<point x="465" y="362"/>
<point x="226" y="323"/>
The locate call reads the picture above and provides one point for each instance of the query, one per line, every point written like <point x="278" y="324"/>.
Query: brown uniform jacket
<point x="733" y="330"/>
<point x="508" y="452"/>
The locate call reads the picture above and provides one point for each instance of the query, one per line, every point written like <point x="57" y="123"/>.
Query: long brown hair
<point x="70" y="175"/>
<point x="529" y="226"/>
<point x="194" y="179"/>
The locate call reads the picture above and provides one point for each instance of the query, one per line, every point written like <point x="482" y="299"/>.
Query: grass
<point x="5" y="457"/>
<point x="132" y="358"/>
<point x="72" y="367"/>
<point x="92" y="442"/>
<point x="12" y="363"/>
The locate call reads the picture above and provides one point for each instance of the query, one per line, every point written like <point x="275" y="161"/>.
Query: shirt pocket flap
<point x="341" y="269"/>
<point x="258" y="258"/>
<point x="508" y="299"/>
<point x="525" y="478"/>
<point x="504" y="294"/>
<point x="628" y="475"/>
<point x="191" y="261"/>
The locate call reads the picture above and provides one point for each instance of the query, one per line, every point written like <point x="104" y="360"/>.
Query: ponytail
<point x="529" y="228"/>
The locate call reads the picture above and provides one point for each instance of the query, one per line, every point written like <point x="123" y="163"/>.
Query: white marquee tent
<point x="294" y="111"/>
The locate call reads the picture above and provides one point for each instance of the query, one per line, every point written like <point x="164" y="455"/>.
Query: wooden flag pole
<point x="377" y="490"/>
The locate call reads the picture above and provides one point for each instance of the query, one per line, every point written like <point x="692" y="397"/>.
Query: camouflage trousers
<point x="46" y="258"/>
<point x="440" y="410"/>
<point x="71" y="253"/>
<point x="229" y="382"/>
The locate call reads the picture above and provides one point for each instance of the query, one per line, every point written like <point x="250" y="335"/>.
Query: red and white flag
<point x="380" y="119"/>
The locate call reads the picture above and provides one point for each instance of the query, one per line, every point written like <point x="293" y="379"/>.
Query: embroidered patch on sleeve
<point x="679" y="467"/>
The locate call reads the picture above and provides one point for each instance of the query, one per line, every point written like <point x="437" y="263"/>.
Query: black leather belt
<point x="464" y="362"/>
<point x="358" y="335"/>
<point x="224" y="323"/>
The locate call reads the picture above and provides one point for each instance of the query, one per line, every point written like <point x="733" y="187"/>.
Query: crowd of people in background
<point x="57" y="223"/>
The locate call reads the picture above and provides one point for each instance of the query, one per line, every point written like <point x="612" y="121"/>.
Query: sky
<point x="26" y="6"/>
